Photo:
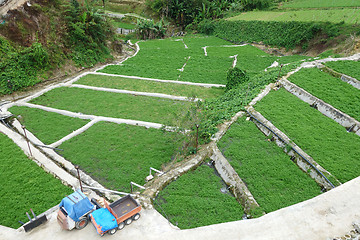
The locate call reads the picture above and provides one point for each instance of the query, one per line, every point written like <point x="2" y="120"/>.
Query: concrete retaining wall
<point x="350" y="80"/>
<point x="292" y="150"/>
<point x="343" y="119"/>
<point x="232" y="179"/>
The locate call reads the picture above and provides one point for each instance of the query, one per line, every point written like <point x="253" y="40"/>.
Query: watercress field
<point x="195" y="200"/>
<point x="150" y="86"/>
<point x="350" y="68"/>
<point x="116" y="154"/>
<point x="116" y="105"/>
<point x="47" y="126"/>
<point x="25" y="185"/>
<point x="273" y="179"/>
<point x="332" y="90"/>
<point x="322" y="138"/>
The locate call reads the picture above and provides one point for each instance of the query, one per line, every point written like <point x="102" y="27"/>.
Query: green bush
<point x="235" y="76"/>
<point x="206" y="27"/>
<point x="21" y="67"/>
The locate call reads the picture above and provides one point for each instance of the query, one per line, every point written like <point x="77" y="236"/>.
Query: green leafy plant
<point x="235" y="76"/>
<point x="195" y="200"/>
<point x="27" y="185"/>
<point x="314" y="133"/>
<point x="273" y="179"/>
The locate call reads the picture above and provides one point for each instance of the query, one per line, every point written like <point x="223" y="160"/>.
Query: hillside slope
<point x="42" y="36"/>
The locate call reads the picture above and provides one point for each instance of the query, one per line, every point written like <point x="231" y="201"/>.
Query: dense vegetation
<point x="234" y="100"/>
<point x="332" y="90"/>
<point x="21" y="67"/>
<point x="282" y="34"/>
<point x="195" y="200"/>
<point x="273" y="179"/>
<point x="47" y="126"/>
<point x="314" y="133"/>
<point x="45" y="36"/>
<point x="116" y="154"/>
<point x="116" y="105"/>
<point x="24" y="185"/>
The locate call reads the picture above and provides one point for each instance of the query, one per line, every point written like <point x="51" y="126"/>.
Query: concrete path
<point x="326" y="216"/>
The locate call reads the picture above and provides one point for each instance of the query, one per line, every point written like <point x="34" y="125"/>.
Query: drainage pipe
<point x="312" y="165"/>
<point x="107" y="190"/>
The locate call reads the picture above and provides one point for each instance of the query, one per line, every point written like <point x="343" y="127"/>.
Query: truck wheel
<point x="112" y="231"/>
<point x="81" y="223"/>
<point x="128" y="221"/>
<point x="136" y="217"/>
<point x="121" y="225"/>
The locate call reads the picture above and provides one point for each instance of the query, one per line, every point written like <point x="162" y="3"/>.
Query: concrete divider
<point x="350" y="80"/>
<point x="232" y="179"/>
<point x="297" y="155"/>
<point x="343" y="119"/>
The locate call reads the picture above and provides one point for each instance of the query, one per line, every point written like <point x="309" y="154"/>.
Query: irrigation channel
<point x="63" y="169"/>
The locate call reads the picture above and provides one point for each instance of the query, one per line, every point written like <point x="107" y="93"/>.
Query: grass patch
<point x="320" y="4"/>
<point x="150" y="86"/>
<point x="119" y="24"/>
<point x="349" y="16"/>
<point x="116" y="154"/>
<point x="273" y="179"/>
<point x="116" y="105"/>
<point x="330" y="89"/>
<point x="195" y="200"/>
<point x="322" y="138"/>
<point x="25" y="185"/>
<point x="350" y="68"/>
<point x="47" y="126"/>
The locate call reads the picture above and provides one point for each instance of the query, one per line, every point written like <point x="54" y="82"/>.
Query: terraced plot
<point x="320" y="3"/>
<point x="195" y="200"/>
<point x="156" y="59"/>
<point x="47" y="126"/>
<point x="202" y="66"/>
<point x="150" y="86"/>
<point x="330" y="89"/>
<point x="116" y="154"/>
<point x="322" y="138"/>
<point x="273" y="179"/>
<point x="27" y="185"/>
<point x="350" y="68"/>
<point x="349" y="16"/>
<point x="116" y="105"/>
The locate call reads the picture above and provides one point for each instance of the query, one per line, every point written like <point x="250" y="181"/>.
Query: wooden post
<point x="77" y="169"/>
<point x="27" y="140"/>
<point x="197" y="136"/>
